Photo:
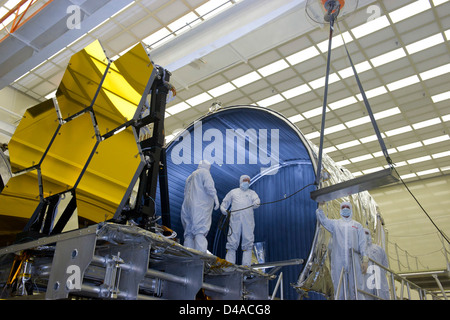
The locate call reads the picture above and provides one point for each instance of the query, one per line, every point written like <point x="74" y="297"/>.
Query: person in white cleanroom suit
<point x="242" y="222"/>
<point x="375" y="279"/>
<point x="346" y="234"/>
<point x="200" y="196"/>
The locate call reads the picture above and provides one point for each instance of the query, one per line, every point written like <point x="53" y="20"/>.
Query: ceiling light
<point x="312" y="135"/>
<point x="381" y="154"/>
<point x="158" y="38"/>
<point x="177" y="108"/>
<point x="408" y="176"/>
<point x="420" y="159"/>
<point x="357" y="122"/>
<point x="329" y="149"/>
<point x="441" y="155"/>
<point x="294" y="92"/>
<point x="445" y="137"/>
<point x="198" y="99"/>
<point x="425" y="43"/>
<point x="360" y="67"/>
<point x="371" y="138"/>
<point x="426" y="172"/>
<point x="343" y="162"/>
<point x="273" y="68"/>
<point x="221" y="90"/>
<point x="246" y="79"/>
<point x="447" y="34"/>
<point x="435" y="72"/>
<point x="446" y="118"/>
<point x="184" y="23"/>
<point x="314" y="112"/>
<point x="372" y="170"/>
<point x="388" y="57"/>
<point x="397" y="131"/>
<point x="296" y="118"/>
<point x="303" y="55"/>
<point x="410" y="146"/>
<point x="373" y="93"/>
<point x="336" y="128"/>
<point x="441" y="97"/>
<point x="270" y="101"/>
<point x="387" y="113"/>
<point x="370" y="27"/>
<point x="349" y="144"/>
<point x="361" y="158"/>
<point x="212" y="7"/>
<point x="318" y="83"/>
<point x="357" y="173"/>
<point x="409" y="10"/>
<point x="342" y="103"/>
<point x="337" y="42"/>
<point x="426" y="123"/>
<point x="403" y="83"/>
<point x="438" y="2"/>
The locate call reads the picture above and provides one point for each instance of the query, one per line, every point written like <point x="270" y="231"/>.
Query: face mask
<point x="345" y="212"/>
<point x="244" y="185"/>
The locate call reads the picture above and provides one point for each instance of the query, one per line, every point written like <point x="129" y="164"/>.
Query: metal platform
<point x="113" y="261"/>
<point x="361" y="183"/>
<point x="437" y="281"/>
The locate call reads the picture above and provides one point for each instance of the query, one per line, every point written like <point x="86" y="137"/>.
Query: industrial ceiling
<point x="266" y="53"/>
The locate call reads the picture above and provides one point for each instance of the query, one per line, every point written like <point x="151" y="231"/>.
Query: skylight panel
<point x="370" y="27"/>
<point x="273" y="68"/>
<point x="409" y="10"/>
<point x="199" y="99"/>
<point x="403" y="83"/>
<point x="343" y="162"/>
<point x="425" y="43"/>
<point x="246" y="79"/>
<point x="329" y="149"/>
<point x="357" y="122"/>
<point x="372" y="170"/>
<point x="386" y="113"/>
<point x="303" y="55"/>
<point x="388" y="57"/>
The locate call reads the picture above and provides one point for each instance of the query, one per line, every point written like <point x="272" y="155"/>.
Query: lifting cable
<point x="380" y="139"/>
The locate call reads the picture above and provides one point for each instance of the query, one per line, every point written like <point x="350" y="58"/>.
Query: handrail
<point x="393" y="277"/>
